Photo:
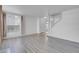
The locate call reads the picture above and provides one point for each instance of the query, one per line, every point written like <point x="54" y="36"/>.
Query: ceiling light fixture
<point x="45" y="17"/>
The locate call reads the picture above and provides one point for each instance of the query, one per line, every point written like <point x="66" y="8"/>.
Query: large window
<point x="13" y="25"/>
<point x="44" y="24"/>
<point x="47" y="23"/>
<point x="54" y="19"/>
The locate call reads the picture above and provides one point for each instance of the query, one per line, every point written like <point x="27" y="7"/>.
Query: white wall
<point x="29" y="25"/>
<point x="68" y="27"/>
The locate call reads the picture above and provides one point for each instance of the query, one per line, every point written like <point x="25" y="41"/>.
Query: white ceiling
<point x="38" y="10"/>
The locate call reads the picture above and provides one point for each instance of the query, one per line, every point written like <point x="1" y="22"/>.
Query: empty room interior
<point x="39" y="28"/>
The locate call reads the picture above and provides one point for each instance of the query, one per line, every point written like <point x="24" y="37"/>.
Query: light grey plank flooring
<point x="38" y="44"/>
<point x="62" y="46"/>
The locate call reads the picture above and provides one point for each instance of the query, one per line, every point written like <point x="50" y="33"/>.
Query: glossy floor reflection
<point x="38" y="43"/>
<point x="31" y="43"/>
